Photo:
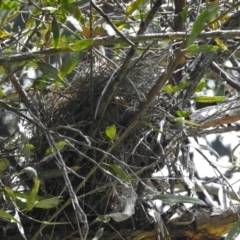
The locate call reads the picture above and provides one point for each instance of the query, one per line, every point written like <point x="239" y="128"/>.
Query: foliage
<point x="97" y="97"/>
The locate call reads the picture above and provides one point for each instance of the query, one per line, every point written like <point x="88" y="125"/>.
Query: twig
<point x="18" y="87"/>
<point x="25" y="56"/>
<point x="124" y="67"/>
<point x="234" y="84"/>
<point x="108" y="20"/>
<point x="159" y="84"/>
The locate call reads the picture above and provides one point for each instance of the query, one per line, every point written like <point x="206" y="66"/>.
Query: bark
<point x="212" y="116"/>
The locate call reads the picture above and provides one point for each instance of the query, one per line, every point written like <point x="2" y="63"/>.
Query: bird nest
<point x="88" y="161"/>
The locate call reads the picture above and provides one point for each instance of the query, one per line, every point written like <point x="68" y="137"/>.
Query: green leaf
<point x="29" y="146"/>
<point x="25" y="195"/>
<point x="172" y="89"/>
<point x="8" y="216"/>
<point x="54" y="173"/>
<point x="70" y="63"/>
<point x="221" y="90"/>
<point x="58" y="145"/>
<point x="120" y="172"/>
<point x="51" y="72"/>
<point x="2" y="93"/>
<point x="194" y="48"/>
<point x="234" y="232"/>
<point x="15" y="105"/>
<point x="48" y="203"/>
<point x="3" y="33"/>
<point x="205" y="16"/>
<point x="55" y="31"/>
<point x="30" y="23"/>
<point x="33" y="195"/>
<point x="184" y="13"/>
<point x="152" y="127"/>
<point x="201" y="85"/>
<point x="31" y="171"/>
<point x="169" y="88"/>
<point x="74" y="10"/>
<point x="220" y="43"/>
<point x="178" y="199"/>
<point x="103" y="218"/>
<point x="48" y="69"/>
<point x="111" y="131"/>
<point x="24" y="137"/>
<point x="9" y="192"/>
<point x="43" y="81"/>
<point x="182" y="120"/>
<point x="9" y="5"/>
<point x="98" y="234"/>
<point x="183" y="113"/>
<point x="133" y="6"/>
<point x="183" y="85"/>
<point x="26" y="153"/>
<point x="209" y="99"/>
<point x="81" y="44"/>
<point x="3" y="165"/>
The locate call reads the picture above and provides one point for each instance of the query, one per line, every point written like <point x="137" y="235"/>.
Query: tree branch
<point x="223" y="113"/>
<point x="25" y="56"/>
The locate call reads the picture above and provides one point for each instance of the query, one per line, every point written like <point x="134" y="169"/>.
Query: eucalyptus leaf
<point x="82" y="44"/>
<point x="111" y="131"/>
<point x="55" y="31"/>
<point x="182" y="120"/>
<point x="134" y="6"/>
<point x="31" y="171"/>
<point x="205" y="16"/>
<point x="98" y="234"/>
<point x="9" y="5"/>
<point x="48" y="203"/>
<point x="183" y="113"/>
<point x="201" y="85"/>
<point x="33" y="195"/>
<point x="59" y="145"/>
<point x="184" y="13"/>
<point x="203" y="48"/>
<point x="117" y="169"/>
<point x="209" y="99"/>
<point x="3" y="165"/>
<point x="172" y="89"/>
<point x="103" y="218"/>
<point x="70" y="63"/>
<point x="8" y="216"/>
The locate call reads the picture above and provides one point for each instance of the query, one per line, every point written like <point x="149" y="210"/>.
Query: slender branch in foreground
<point x="24" y="56"/>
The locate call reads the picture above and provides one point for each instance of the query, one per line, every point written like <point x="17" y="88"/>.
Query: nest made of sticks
<point x="71" y="116"/>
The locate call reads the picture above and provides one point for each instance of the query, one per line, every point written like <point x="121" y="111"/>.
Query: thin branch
<point x="25" y="56"/>
<point x="18" y="87"/>
<point x="125" y="65"/>
<point x="234" y="84"/>
<point x="159" y="84"/>
<point x="108" y="20"/>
